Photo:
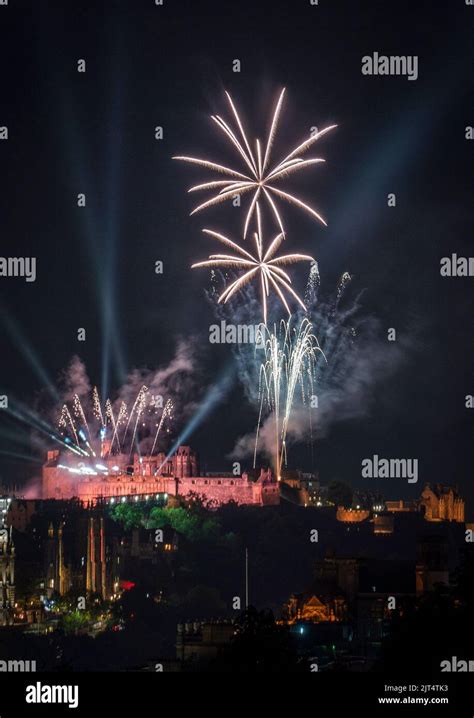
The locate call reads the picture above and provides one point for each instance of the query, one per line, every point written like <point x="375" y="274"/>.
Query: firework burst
<point x="259" y="178"/>
<point x="265" y="265"/>
<point x="112" y="428"/>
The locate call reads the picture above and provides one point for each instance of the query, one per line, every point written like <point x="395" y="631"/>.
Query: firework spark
<point x="167" y="411"/>
<point x="97" y="407"/>
<point x="122" y="417"/>
<point x="107" y="424"/>
<point x="109" y="413"/>
<point x="260" y="176"/>
<point x="79" y="413"/>
<point x="265" y="265"/>
<point x="66" y="419"/>
<point x="289" y="364"/>
<point x="139" y="406"/>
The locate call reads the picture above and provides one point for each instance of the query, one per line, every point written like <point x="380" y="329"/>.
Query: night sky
<point x="169" y="66"/>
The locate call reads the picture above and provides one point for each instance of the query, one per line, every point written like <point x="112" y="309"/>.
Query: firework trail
<point x="267" y="266"/>
<point x="97" y="408"/>
<point x="109" y="421"/>
<point x="290" y="359"/>
<point x="167" y="411"/>
<point x="79" y="413"/>
<point x="66" y="419"/>
<point x="259" y="175"/>
<point x="109" y="413"/>
<point x="140" y="405"/>
<point x="135" y="408"/>
<point x="122" y="417"/>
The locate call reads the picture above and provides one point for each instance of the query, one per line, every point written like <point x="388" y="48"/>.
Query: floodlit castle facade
<point x="114" y="478"/>
<point x="442" y="503"/>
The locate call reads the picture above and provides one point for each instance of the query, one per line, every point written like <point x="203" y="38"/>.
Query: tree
<point x="129" y="515"/>
<point x="194" y="526"/>
<point x="74" y="621"/>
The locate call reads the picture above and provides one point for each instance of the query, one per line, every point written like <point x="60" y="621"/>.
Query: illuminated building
<point x="315" y="608"/>
<point x="306" y="489"/>
<point x="442" y="503"/>
<point x="353" y="591"/>
<point x="116" y="477"/>
<point x="438" y="502"/>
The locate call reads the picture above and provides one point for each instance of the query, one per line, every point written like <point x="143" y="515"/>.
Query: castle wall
<point x="148" y="479"/>
<point x="352" y="516"/>
<point x="239" y="489"/>
<point x="58" y="483"/>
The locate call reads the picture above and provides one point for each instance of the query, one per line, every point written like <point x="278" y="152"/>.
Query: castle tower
<point x="185" y="463"/>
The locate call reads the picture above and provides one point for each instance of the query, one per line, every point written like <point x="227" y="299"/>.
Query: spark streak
<point x="290" y="361"/>
<point x="167" y="410"/>
<point x="97" y="408"/>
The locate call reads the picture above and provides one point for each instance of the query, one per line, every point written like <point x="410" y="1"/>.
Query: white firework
<point x="265" y="265"/>
<point x="258" y="179"/>
<point x="290" y="362"/>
